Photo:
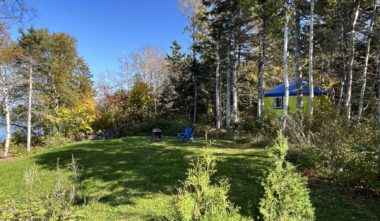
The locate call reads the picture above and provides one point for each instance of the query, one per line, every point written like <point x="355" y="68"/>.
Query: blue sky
<point x="105" y="29"/>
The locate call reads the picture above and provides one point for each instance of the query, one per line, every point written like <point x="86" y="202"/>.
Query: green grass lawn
<point x="134" y="179"/>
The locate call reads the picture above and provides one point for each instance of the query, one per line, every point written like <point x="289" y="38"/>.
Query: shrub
<point x="248" y="122"/>
<point x="198" y="199"/>
<point x="17" y="149"/>
<point x="54" y="140"/>
<point x="285" y="194"/>
<point x="18" y="146"/>
<point x="345" y="152"/>
<point x="41" y="203"/>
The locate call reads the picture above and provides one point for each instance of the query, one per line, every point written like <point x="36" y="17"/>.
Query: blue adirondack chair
<point x="188" y="135"/>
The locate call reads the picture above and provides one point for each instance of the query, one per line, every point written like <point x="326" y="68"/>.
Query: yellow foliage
<point x="78" y="118"/>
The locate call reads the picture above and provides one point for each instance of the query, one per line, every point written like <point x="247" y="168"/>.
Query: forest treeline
<point x="239" y="50"/>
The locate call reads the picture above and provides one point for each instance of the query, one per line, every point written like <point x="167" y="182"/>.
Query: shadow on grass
<point x="117" y="172"/>
<point x="341" y="203"/>
<point x="124" y="168"/>
<point x="245" y="174"/>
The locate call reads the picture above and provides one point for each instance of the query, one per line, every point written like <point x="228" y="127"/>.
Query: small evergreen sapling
<point x="198" y="199"/>
<point x="286" y="196"/>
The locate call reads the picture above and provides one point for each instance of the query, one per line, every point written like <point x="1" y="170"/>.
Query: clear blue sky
<point x="105" y="29"/>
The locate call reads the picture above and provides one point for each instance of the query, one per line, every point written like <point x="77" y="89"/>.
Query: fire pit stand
<point x="156" y="134"/>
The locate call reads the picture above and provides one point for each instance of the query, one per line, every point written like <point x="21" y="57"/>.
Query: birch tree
<point x="297" y="39"/>
<point x="218" y="97"/>
<point x="228" y="83"/>
<point x="235" y="86"/>
<point x="195" y="76"/>
<point x="364" y="75"/>
<point x="261" y="71"/>
<point x="126" y="73"/>
<point x="7" y="81"/>
<point x="286" y="78"/>
<point x="311" y="37"/>
<point x="29" y="120"/>
<point x="15" y="10"/>
<point x="347" y="102"/>
<point x="5" y="89"/>
<point x="195" y="81"/>
<point x="148" y="62"/>
<point x="343" y="77"/>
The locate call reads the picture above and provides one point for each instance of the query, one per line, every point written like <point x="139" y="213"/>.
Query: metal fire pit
<point x="156" y="134"/>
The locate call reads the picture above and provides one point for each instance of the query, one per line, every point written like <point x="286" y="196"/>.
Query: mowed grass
<point x="135" y="179"/>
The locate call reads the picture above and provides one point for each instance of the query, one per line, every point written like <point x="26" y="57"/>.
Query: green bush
<point x="55" y="140"/>
<point x="346" y="152"/>
<point x="198" y="199"/>
<point x="285" y="194"/>
<point x="248" y="122"/>
<point x="251" y="124"/>
<point x="18" y="146"/>
<point x="17" y="149"/>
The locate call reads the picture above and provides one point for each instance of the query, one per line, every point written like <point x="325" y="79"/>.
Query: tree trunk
<point x="155" y="106"/>
<point x="250" y="96"/>
<point x="29" y="130"/>
<point x="217" y="89"/>
<point x="343" y="77"/>
<point x="229" y="84"/>
<point x="235" y="97"/>
<point x="347" y="102"/>
<point x="7" y="115"/>
<point x="8" y="125"/>
<point x="195" y="99"/>
<point x="298" y="60"/>
<point x="311" y="46"/>
<point x="195" y="80"/>
<point x="207" y="105"/>
<point x="286" y="80"/>
<point x="261" y="72"/>
<point x="378" y="88"/>
<point x="364" y="76"/>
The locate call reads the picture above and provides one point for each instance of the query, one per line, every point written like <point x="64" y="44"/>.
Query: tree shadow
<point x="245" y="174"/>
<point x="117" y="172"/>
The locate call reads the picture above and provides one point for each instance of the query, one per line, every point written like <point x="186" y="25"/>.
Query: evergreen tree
<point x="285" y="194"/>
<point x="180" y="81"/>
<point x="198" y="199"/>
